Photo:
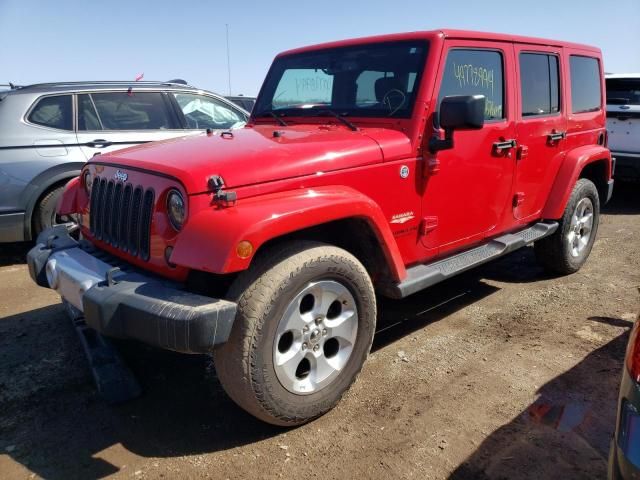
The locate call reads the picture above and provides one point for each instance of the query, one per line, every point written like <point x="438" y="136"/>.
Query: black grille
<point x="121" y="216"/>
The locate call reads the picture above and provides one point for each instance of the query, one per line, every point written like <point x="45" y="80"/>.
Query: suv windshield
<point x="372" y="80"/>
<point x="623" y="91"/>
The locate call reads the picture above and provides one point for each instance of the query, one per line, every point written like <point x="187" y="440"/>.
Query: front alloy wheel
<point x="304" y="327"/>
<point x="315" y="337"/>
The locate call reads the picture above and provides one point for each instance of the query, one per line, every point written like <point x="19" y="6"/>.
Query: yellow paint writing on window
<point x="469" y="74"/>
<point x="492" y="109"/>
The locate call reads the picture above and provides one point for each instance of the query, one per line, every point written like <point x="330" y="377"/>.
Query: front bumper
<point x="118" y="301"/>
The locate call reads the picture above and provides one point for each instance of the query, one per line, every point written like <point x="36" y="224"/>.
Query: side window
<point x="475" y="72"/>
<point x="205" y="112"/>
<point x="53" y="112"/>
<point x="87" y="116"/>
<point x="539" y="84"/>
<point x="586" y="94"/>
<point x="132" y="111"/>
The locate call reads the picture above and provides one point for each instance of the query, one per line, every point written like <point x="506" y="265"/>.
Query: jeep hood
<point x="262" y="153"/>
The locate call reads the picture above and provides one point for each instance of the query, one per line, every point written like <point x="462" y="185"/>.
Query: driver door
<point x="468" y="187"/>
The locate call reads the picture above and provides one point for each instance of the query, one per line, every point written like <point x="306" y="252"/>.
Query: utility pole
<point x="228" y="58"/>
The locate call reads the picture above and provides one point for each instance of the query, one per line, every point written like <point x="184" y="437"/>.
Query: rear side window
<point x="539" y="82"/>
<point x="132" y="111"/>
<point x="586" y="95"/>
<point x="475" y="72"/>
<point x="53" y="112"/>
<point x="623" y="91"/>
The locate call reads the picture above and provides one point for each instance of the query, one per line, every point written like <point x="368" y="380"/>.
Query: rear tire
<point x="568" y="248"/>
<point x="304" y="327"/>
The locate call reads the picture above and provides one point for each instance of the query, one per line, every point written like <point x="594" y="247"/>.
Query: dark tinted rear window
<point x="586" y="95"/>
<point x="53" y="112"/>
<point x="623" y="91"/>
<point x="133" y="111"/>
<point x="539" y="84"/>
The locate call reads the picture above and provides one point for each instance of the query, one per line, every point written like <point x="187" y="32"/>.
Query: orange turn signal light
<point x="244" y="249"/>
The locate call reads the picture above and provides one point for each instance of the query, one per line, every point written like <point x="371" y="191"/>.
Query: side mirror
<point x="458" y="112"/>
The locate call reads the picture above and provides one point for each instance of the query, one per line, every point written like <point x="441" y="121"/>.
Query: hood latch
<point x="222" y="198"/>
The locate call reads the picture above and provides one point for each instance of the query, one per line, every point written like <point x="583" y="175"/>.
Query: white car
<point x="623" y="123"/>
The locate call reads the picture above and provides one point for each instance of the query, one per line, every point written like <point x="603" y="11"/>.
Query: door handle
<point x="98" y="143"/>
<point x="556" y="136"/>
<point x="499" y="147"/>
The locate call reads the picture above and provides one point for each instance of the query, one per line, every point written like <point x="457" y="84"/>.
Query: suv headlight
<point x="176" y="209"/>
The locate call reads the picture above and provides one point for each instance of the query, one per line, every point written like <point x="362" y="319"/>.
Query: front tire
<point x="45" y="216"/>
<point x="568" y="248"/>
<point x="304" y="327"/>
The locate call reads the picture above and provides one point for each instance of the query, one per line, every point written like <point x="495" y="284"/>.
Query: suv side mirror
<point x="458" y="112"/>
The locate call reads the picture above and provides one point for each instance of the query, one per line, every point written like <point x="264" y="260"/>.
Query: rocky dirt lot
<point x="503" y="372"/>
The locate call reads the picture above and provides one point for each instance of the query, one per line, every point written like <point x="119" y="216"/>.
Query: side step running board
<point x="420" y="277"/>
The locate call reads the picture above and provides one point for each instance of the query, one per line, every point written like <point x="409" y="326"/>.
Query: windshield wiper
<point x="340" y="117"/>
<point x="273" y="114"/>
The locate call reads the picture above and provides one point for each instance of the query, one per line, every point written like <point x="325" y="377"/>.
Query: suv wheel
<point x="303" y="330"/>
<point x="567" y="249"/>
<point x="45" y="215"/>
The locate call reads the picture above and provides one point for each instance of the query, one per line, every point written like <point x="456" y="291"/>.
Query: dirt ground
<point x="503" y="372"/>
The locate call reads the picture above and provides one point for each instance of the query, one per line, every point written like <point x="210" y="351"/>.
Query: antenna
<point x="228" y="58"/>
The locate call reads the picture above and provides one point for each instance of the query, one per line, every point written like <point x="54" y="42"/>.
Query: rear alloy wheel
<point x="581" y="228"/>
<point x="304" y="327"/>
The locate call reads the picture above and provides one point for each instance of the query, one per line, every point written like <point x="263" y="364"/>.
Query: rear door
<point x="113" y="120"/>
<point x="541" y="127"/>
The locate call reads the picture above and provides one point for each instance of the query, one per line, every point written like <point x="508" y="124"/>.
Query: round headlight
<point x="87" y="181"/>
<point x="176" y="209"/>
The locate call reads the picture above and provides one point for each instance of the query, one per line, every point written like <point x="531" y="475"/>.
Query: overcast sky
<point x="116" y="40"/>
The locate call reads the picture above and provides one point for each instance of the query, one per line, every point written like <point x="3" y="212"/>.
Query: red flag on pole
<point x="139" y="77"/>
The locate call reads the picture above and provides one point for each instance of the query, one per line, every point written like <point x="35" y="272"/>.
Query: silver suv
<point x="47" y="132"/>
<point x="623" y="123"/>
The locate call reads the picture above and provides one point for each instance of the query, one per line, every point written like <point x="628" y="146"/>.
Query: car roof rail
<point x="107" y="83"/>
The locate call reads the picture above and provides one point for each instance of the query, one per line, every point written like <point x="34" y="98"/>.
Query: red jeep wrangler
<point x="378" y="165"/>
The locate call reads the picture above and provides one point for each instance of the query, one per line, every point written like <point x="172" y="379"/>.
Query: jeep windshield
<point x="369" y="80"/>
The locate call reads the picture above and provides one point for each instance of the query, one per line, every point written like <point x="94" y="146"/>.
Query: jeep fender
<point x="72" y="194"/>
<point x="568" y="175"/>
<point x="209" y="238"/>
